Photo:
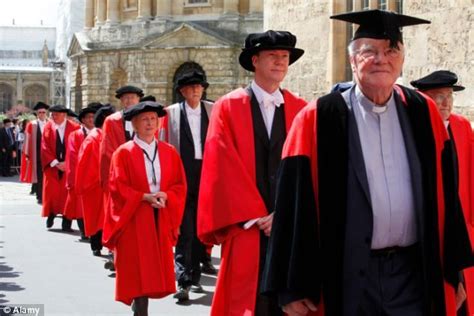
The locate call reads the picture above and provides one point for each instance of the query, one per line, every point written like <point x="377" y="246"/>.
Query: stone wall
<point x="448" y="43"/>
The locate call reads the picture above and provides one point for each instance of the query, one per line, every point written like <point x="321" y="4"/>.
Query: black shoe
<point x="50" y="220"/>
<point x="197" y="288"/>
<point x="84" y="239"/>
<point x="208" y="268"/>
<point x="182" y="294"/>
<point x="96" y="253"/>
<point x="109" y="265"/>
<point x="67" y="229"/>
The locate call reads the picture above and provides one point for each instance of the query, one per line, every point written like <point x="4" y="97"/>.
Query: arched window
<point x="6" y="99"/>
<point x="35" y="93"/>
<point x="188" y="66"/>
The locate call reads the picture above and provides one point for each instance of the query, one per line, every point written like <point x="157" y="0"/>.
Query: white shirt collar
<point x="369" y="105"/>
<point x="276" y="97"/>
<point x="149" y="148"/>
<point x="191" y="111"/>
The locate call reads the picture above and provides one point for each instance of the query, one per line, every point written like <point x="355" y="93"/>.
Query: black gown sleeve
<point x="292" y="269"/>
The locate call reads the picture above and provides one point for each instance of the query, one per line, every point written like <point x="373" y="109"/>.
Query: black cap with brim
<point x="71" y="113"/>
<point x="436" y="80"/>
<point x="269" y="40"/>
<point x="102" y="113"/>
<point x="58" y="109"/>
<point x="40" y="105"/>
<point x="379" y="24"/>
<point x="95" y="105"/>
<point x="190" y="78"/>
<point x="84" y="111"/>
<point x="128" y="89"/>
<point x="142" y="107"/>
<point x="148" y="98"/>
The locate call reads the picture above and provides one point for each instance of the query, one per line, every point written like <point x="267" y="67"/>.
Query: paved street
<point x="53" y="268"/>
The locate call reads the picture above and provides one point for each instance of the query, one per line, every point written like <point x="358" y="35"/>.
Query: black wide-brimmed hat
<point x="102" y="113"/>
<point x="87" y="110"/>
<point x="191" y="77"/>
<point x="59" y="109"/>
<point x="128" y="89"/>
<point x="379" y="24"/>
<point x="438" y="79"/>
<point x="40" y="105"/>
<point x="142" y="107"/>
<point x="269" y="40"/>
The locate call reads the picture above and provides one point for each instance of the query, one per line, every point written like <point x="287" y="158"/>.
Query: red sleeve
<point x="48" y="145"/>
<point x="228" y="195"/>
<point x="73" y="144"/>
<point x="111" y="140"/>
<point x="87" y="176"/>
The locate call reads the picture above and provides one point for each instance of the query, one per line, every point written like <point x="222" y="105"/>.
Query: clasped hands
<point x="156" y="200"/>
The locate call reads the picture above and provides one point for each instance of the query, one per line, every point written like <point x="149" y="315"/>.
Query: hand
<point x="156" y="200"/>
<point x="61" y="166"/>
<point x="460" y="295"/>
<point x="14" y="154"/>
<point x="4" y="150"/>
<point x="265" y="224"/>
<point x="299" y="308"/>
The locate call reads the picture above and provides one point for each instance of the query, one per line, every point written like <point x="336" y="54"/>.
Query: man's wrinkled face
<point x="192" y="93"/>
<point x="443" y="98"/>
<point x="42" y="114"/>
<point x="58" y="117"/>
<point x="375" y="64"/>
<point x="129" y="99"/>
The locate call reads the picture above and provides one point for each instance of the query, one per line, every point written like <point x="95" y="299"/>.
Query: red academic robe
<point x="73" y="208"/>
<point x="142" y="246"/>
<point x="229" y="196"/>
<point x="25" y="167"/>
<point x="54" y="187"/>
<point x="462" y="134"/>
<point x="29" y="154"/>
<point x="286" y="270"/>
<point x="87" y="186"/>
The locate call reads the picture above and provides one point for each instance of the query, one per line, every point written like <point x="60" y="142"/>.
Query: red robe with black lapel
<point x="54" y="187"/>
<point x="229" y="196"/>
<point x="142" y="246"/>
<point x="293" y="251"/>
<point x="463" y="139"/>
<point x="73" y="208"/>
<point x="88" y="187"/>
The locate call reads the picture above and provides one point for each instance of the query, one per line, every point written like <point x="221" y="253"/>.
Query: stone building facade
<point x="147" y="43"/>
<point x="26" y="75"/>
<point x="446" y="43"/>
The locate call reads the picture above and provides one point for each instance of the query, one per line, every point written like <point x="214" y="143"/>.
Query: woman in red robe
<point x="147" y="190"/>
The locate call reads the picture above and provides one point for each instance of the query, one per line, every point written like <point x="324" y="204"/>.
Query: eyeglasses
<point x="441" y="98"/>
<point x="41" y="112"/>
<point x="372" y="52"/>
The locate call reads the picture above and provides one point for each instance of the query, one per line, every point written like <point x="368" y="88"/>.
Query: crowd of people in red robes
<point x="357" y="203"/>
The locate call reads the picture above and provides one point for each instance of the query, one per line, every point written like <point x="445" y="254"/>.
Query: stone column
<point x="144" y="10"/>
<point x="255" y="6"/>
<point x="356" y="5"/>
<point x="89" y="19"/>
<point x="163" y="7"/>
<point x="113" y="11"/>
<point x="373" y="4"/>
<point x="392" y="5"/>
<point x="19" y="88"/>
<point x="101" y="12"/>
<point x="231" y="6"/>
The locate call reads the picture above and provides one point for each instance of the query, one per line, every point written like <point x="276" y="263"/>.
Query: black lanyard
<point x="153" y="179"/>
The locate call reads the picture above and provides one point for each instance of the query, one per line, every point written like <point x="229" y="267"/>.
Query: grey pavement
<point x="53" y="268"/>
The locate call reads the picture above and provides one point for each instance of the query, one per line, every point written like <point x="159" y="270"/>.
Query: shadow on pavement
<point x="8" y="272"/>
<point x="205" y="300"/>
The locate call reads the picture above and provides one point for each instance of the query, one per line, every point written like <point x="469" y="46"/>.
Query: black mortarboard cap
<point x="379" y="24"/>
<point x="102" y="113"/>
<point x="142" y="107"/>
<point x="269" y="40"/>
<point x="95" y="105"/>
<point x="59" y="108"/>
<point x="438" y="79"/>
<point x="40" y="105"/>
<point x="128" y="89"/>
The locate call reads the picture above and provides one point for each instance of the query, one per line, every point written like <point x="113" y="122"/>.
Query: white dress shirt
<point x="388" y="172"/>
<point x="61" y="128"/>
<point x="194" y="120"/>
<point x="41" y="125"/>
<point x="129" y="128"/>
<point x="151" y="169"/>
<point x="268" y="103"/>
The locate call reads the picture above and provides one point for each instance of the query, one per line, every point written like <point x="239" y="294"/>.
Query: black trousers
<point x="189" y="249"/>
<point x="394" y="285"/>
<point x="96" y="241"/>
<point x="6" y="161"/>
<point x="39" y="184"/>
